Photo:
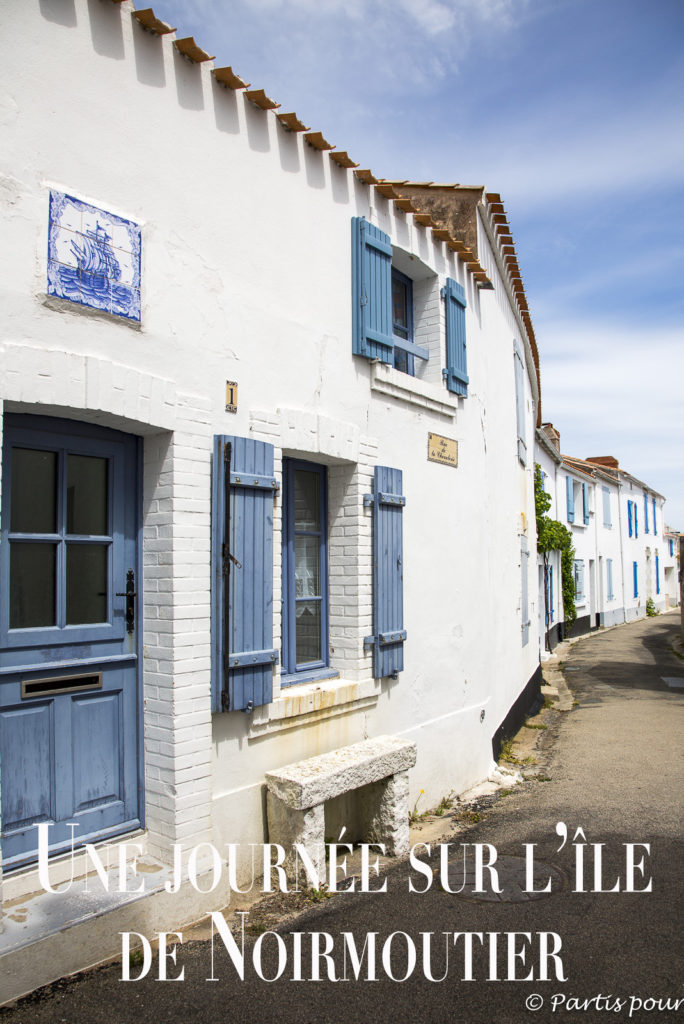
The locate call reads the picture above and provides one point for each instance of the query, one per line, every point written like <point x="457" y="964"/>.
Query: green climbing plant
<point x="554" y="536"/>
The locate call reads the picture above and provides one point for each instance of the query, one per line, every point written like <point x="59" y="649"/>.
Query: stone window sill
<point x="405" y="388"/>
<point x="316" y="701"/>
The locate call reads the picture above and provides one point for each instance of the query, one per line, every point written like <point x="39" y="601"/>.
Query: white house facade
<point x="268" y="436"/>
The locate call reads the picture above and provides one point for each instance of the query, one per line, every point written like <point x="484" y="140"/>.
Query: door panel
<point x="70" y="748"/>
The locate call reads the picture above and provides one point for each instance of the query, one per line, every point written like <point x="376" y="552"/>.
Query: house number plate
<point x="443" y="450"/>
<point x="231" y="396"/>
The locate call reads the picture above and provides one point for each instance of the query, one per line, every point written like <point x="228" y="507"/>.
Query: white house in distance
<point x="267" y="468"/>
<point x="621" y="550"/>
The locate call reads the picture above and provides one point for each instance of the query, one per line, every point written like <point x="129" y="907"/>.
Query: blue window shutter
<point x="585" y="503"/>
<point x="645" y="513"/>
<point x="654" y="516"/>
<point x="524" y="599"/>
<point x="551" y="612"/>
<point x="388" y="573"/>
<point x="630" y="526"/>
<point x="242" y="574"/>
<point x="609" y="577"/>
<point x="570" y="494"/>
<point x="520" y="402"/>
<point x="636" y="579"/>
<point x="657" y="575"/>
<point x="456" y="372"/>
<point x="371" y="292"/>
<point x="636" y="519"/>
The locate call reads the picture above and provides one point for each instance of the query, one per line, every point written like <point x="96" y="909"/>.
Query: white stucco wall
<point x="247" y="277"/>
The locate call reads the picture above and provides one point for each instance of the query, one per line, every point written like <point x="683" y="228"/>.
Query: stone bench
<point x="297" y="794"/>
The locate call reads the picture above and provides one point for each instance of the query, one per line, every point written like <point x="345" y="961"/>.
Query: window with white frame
<point x="578" y="572"/>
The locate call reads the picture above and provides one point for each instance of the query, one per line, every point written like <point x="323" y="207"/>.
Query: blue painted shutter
<point x="551" y="612"/>
<point x="524" y="599"/>
<point x="242" y="574"/>
<point x="585" y="504"/>
<point x="520" y="403"/>
<point x="456" y="372"/>
<point x="645" y="513"/>
<point x="636" y="519"/>
<point x="371" y="292"/>
<point x="630" y="527"/>
<point x="609" y="575"/>
<point x="636" y="580"/>
<point x="570" y="494"/>
<point x="657" y="575"/>
<point x="654" y="516"/>
<point x="388" y="573"/>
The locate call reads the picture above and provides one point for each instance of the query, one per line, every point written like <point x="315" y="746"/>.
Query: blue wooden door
<point x="69" y="695"/>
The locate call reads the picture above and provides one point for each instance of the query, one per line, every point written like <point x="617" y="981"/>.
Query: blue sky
<point x="574" y="111"/>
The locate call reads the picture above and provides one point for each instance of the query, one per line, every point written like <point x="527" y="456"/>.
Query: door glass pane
<point x="306" y="500"/>
<point x="86" y="583"/>
<point x="32" y="585"/>
<point x="34" y="491"/>
<point x="87" y="496"/>
<point x="307" y="567"/>
<point x="308" y="645"/>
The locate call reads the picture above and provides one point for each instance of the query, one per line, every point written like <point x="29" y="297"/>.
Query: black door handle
<point x="130" y="595"/>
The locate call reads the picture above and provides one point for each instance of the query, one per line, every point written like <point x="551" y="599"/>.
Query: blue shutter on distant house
<point x="389" y="634"/>
<point x="645" y="513"/>
<point x="657" y="574"/>
<point x="636" y="579"/>
<point x="654" y="516"/>
<point x="570" y="494"/>
<point x="243" y="655"/>
<point x="585" y="503"/>
<point x="371" y="292"/>
<point x="636" y="519"/>
<point x="551" y="611"/>
<point x="609" y="575"/>
<point x="630" y="526"/>
<point x="524" y="555"/>
<point x="456" y="372"/>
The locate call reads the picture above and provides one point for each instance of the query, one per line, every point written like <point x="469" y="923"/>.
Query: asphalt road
<point x="613" y="768"/>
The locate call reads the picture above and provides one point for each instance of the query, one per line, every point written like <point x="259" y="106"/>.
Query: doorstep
<point x="49" y="935"/>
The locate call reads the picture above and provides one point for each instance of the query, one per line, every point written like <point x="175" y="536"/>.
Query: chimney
<point x="552" y="434"/>
<point x="605" y="460"/>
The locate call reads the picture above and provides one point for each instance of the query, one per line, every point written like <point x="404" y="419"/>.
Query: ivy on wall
<point x="554" y="536"/>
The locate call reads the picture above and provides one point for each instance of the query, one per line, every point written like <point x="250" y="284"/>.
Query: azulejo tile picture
<point x="93" y="257"/>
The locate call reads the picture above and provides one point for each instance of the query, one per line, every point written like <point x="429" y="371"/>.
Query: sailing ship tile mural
<point x="93" y="257"/>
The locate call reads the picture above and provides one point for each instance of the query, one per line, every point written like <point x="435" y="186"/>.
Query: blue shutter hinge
<point x="383" y="639"/>
<point x="249" y="707"/>
<point x="368" y="500"/>
<point x="443" y="292"/>
<point x="384" y="498"/>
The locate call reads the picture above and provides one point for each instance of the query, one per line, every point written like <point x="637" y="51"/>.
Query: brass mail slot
<point x="60" y="684"/>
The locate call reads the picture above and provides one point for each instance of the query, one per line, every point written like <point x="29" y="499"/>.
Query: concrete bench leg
<point x="288" y="826"/>
<point x="384" y="811"/>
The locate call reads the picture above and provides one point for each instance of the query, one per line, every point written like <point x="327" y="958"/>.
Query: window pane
<point x="307" y="567"/>
<point x="86" y="586"/>
<point x="400" y="322"/>
<point x="306" y="500"/>
<point x="308" y="646"/>
<point x="32" y="585"/>
<point x="34" y="491"/>
<point x="87" y="495"/>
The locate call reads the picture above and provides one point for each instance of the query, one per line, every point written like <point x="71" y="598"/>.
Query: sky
<point x="573" y="110"/>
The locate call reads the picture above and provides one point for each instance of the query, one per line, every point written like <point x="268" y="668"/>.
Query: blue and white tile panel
<point x="93" y="257"/>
